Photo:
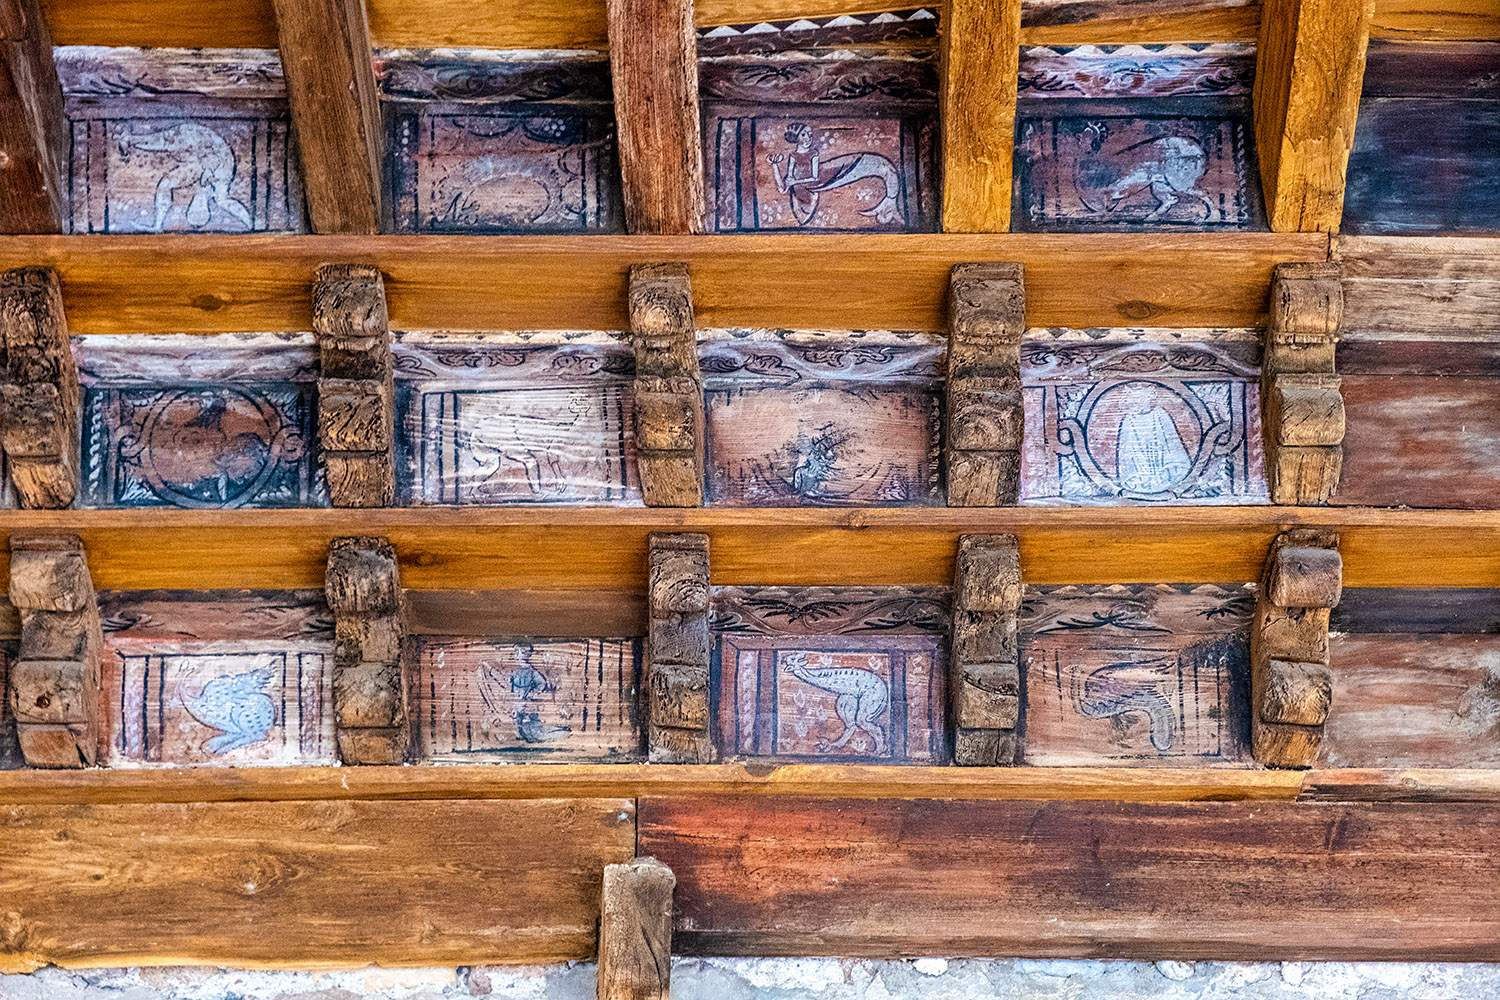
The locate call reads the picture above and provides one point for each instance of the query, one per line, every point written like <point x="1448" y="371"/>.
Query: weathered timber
<point x="33" y="127"/>
<point x="985" y="668"/>
<point x="1310" y="63"/>
<point x="980" y="61"/>
<point x="987" y="317"/>
<point x="1291" y="688"/>
<point x="369" y="679"/>
<point x="39" y="394"/>
<point x="814" y="876"/>
<point x="668" y="386"/>
<point x="356" y="387"/>
<point x="295" y="884"/>
<point x="675" y="686"/>
<point x="1301" y="405"/>
<point x="325" y="53"/>
<point x="54" y="683"/>
<point x="653" y="59"/>
<point x="635" y="931"/>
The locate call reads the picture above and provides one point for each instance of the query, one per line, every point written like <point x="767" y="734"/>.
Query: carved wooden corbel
<point x="1291" y="687"/>
<point x="635" y="931"/>
<point x="54" y="685"/>
<point x="39" y="397"/>
<point x="1301" y="405"/>
<point x="668" y="386"/>
<point x="356" y="387"/>
<point x="985" y="669"/>
<point x="675" y="687"/>
<point x="986" y="318"/>
<point x="363" y="585"/>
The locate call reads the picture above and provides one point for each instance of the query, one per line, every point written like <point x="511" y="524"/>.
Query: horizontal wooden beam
<point x="157" y="284"/>
<point x="605" y="548"/>
<point x="839" y="781"/>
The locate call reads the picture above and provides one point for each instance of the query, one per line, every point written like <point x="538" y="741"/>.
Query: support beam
<point x="668" y="386"/>
<point x="39" y="392"/>
<point x="980" y="68"/>
<point x="674" y="688"/>
<point x="1291" y="688"/>
<point x="54" y="683"/>
<point x="369" y="669"/>
<point x="985" y="668"/>
<point x="1301" y="405"/>
<point x="986" y="319"/>
<point x="33" y="129"/>
<point x="330" y="82"/>
<point x="653" y="58"/>
<point x="356" y="386"/>
<point x="635" y="931"/>
<point x="1310" y="66"/>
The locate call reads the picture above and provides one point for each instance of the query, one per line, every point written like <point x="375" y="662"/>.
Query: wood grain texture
<point x="1101" y="22"/>
<point x="1309" y="66"/>
<point x="653" y="61"/>
<point x="363" y="585"/>
<point x="39" y="390"/>
<point x="980" y="60"/>
<point x="635" y="932"/>
<point x="584" y="548"/>
<point x="330" y="82"/>
<point x="230" y="284"/>
<point x="33" y="128"/>
<point x="984" y="415"/>
<point x="356" y="387"/>
<point x="1420" y="288"/>
<point x="1436" y="20"/>
<point x="803" y="876"/>
<point x="307" y="884"/>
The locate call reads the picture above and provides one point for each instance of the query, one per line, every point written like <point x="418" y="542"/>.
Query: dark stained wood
<point x="537" y="613"/>
<point x="675" y="690"/>
<point x="33" y="128"/>
<point x="308" y="883"/>
<point x="980" y="59"/>
<point x="1417" y="610"/>
<point x="325" y="53"/>
<point x="39" y="393"/>
<point x="985" y="669"/>
<point x="807" y="876"/>
<point x="635" y="932"/>
<point x="653" y="59"/>
<point x="985" y="416"/>
<point x="369" y="672"/>
<point x="668" y="386"/>
<point x="356" y="387"/>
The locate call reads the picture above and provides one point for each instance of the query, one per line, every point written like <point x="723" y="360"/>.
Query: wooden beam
<point x="985" y="667"/>
<point x="984" y="419"/>
<point x="363" y="585"/>
<point x="1302" y="409"/>
<point x="1310" y="65"/>
<point x="330" y="80"/>
<point x="1436" y="20"/>
<point x="39" y="391"/>
<point x="33" y="129"/>
<point x="301" y="884"/>
<point x="676" y="673"/>
<point x="1104" y="22"/>
<point x="226" y="284"/>
<point x="653" y="61"/>
<point x="980" y="63"/>
<point x="1213" y="880"/>
<point x="635" y="932"/>
<point x="668" y="409"/>
<point x="356" y="386"/>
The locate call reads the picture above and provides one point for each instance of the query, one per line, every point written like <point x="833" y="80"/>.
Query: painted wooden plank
<point x="807" y="876"/>
<point x="1420" y="288"/>
<point x="308" y="884"/>
<point x="981" y="47"/>
<point x="1417" y="610"/>
<point x="802" y="281"/>
<point x="33" y="131"/>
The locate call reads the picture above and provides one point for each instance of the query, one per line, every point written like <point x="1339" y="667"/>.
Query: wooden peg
<point x="356" y="387"/>
<point x="635" y="931"/>
<point x="985" y="668"/>
<point x="1302" y="408"/>
<point x="668" y="386"/>
<point x="39" y="396"/>
<point x="55" y="683"/>
<point x="986" y="318"/>
<point x="1291" y="686"/>
<point x="363" y="585"/>
<point x="675" y="688"/>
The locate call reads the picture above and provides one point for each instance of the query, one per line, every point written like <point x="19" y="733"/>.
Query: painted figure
<point x="807" y="175"/>
<point x="527" y="686"/>
<point x="535" y="442"/>
<point x="203" y="167"/>
<point x="236" y="704"/>
<point x="862" y="696"/>
<point x="1150" y="456"/>
<point x="1168" y="167"/>
<point x="1106" y="695"/>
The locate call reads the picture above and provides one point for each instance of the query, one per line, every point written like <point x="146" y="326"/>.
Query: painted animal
<point x="1107" y="694"/>
<point x="236" y="704"/>
<point x="203" y="167"/>
<point x="536" y="442"/>
<point x="1169" y="167"/>
<point x="862" y="696"/>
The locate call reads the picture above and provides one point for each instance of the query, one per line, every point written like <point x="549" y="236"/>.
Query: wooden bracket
<point x="635" y="931"/>
<point x="356" y="387"/>
<point x="1291" y="687"/>
<point x="1301" y="404"/>
<point x="33" y="126"/>
<point x="985" y="668"/>
<point x="39" y="396"/>
<point x="668" y="386"/>
<point x="363" y="585"/>
<point x="986" y="318"/>
<point x="675" y="686"/>
<point x="55" y="682"/>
